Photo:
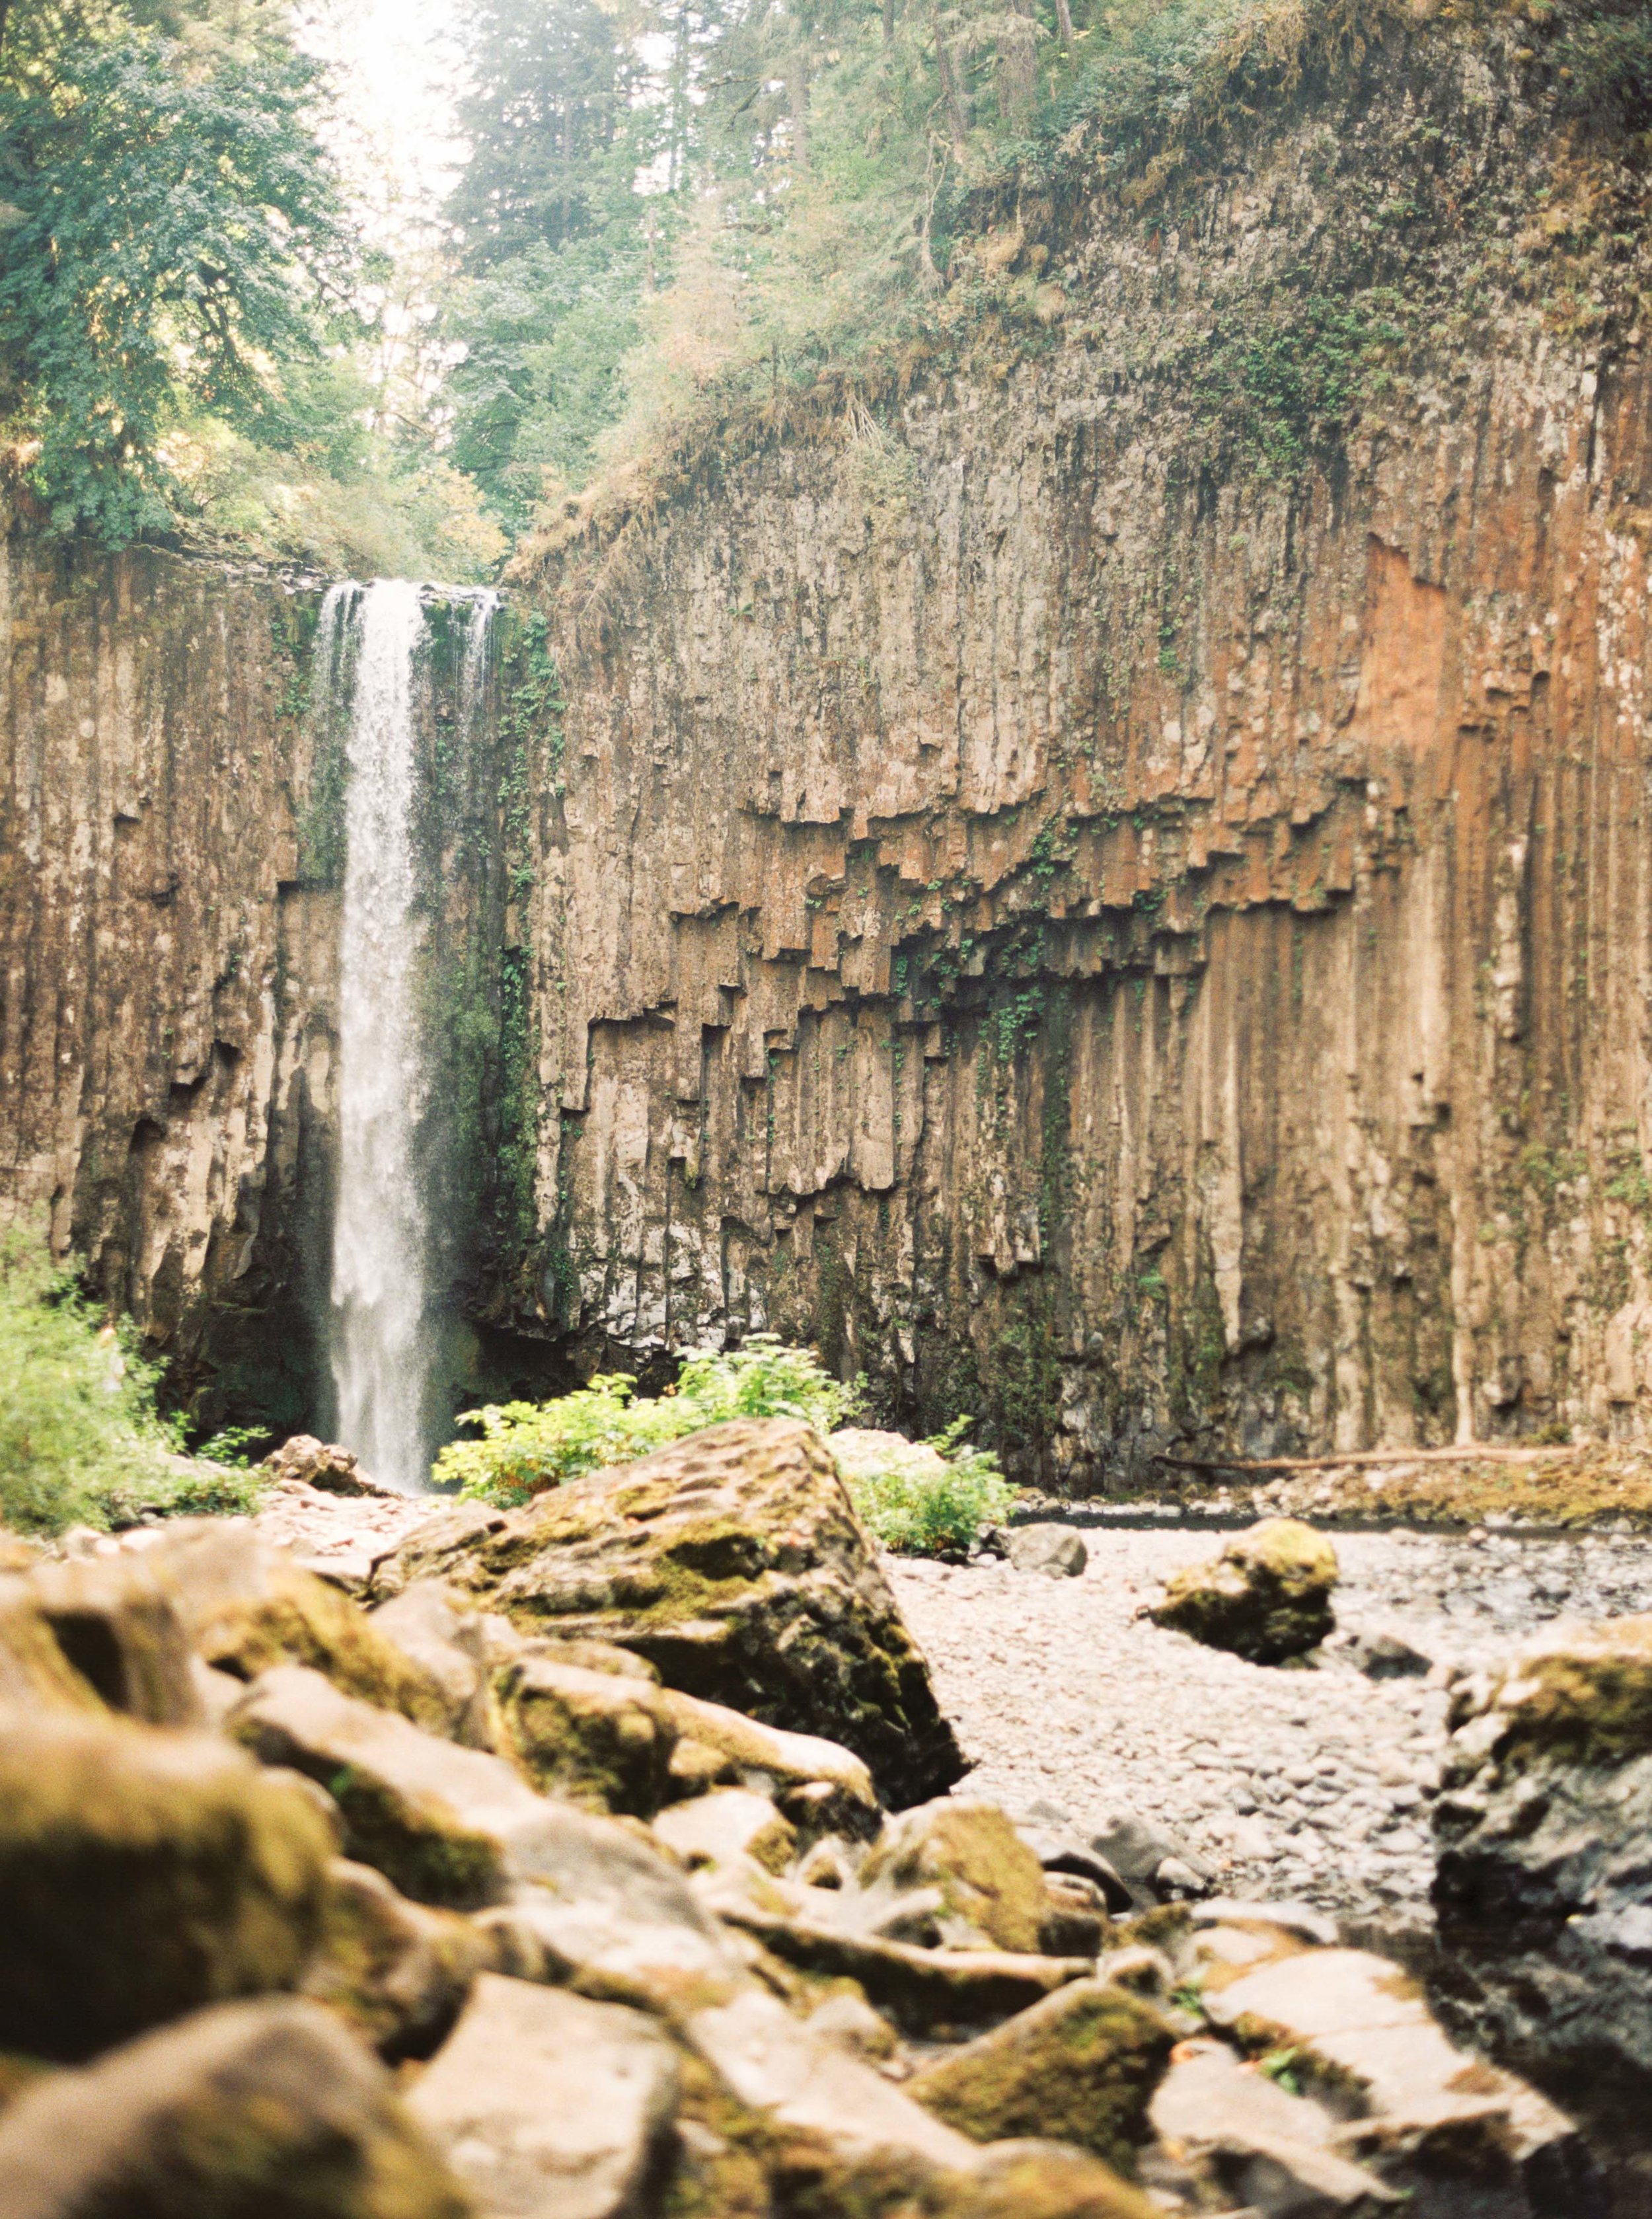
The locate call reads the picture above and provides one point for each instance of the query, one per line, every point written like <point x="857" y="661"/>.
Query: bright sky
<point x="396" y="72"/>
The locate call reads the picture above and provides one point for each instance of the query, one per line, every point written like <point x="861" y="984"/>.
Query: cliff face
<point x="1105" y="883"/>
<point x="1117" y="896"/>
<point x="172" y="778"/>
<point x="166" y="963"/>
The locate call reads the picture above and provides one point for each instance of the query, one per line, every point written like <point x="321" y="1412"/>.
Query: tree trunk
<point x="1064" y="23"/>
<point x="951" y="91"/>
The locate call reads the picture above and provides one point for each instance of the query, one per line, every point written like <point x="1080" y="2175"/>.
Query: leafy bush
<point x="80" y="1440"/>
<point x="173" y="233"/>
<point x="528" y="1446"/>
<point x="925" y="1513"/>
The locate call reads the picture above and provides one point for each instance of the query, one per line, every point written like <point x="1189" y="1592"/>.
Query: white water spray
<point x="380" y="1339"/>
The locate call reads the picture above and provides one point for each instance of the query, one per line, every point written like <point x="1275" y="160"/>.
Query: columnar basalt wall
<point x="168" y="948"/>
<point x="1105" y="933"/>
<point x="171" y="842"/>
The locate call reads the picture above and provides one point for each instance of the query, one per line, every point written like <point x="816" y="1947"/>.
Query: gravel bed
<point x="1311" y="1783"/>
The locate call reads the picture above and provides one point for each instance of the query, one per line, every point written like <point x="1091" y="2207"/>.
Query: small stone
<point x="1056" y="1550"/>
<point x="306" y="1462"/>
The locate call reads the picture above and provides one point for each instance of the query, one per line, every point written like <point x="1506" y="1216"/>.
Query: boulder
<point x="937" y="1994"/>
<point x="726" y="1826"/>
<point x="600" y="1741"/>
<point x="734" y="1562"/>
<point x="989" y="1880"/>
<point x="1361" y="2029"/>
<point x="1034" y="2179"/>
<point x="1256" y="2142"/>
<point x="33" y="1667"/>
<point x="249" y="2111"/>
<point x="116" y="1625"/>
<point x="1266" y="1597"/>
<point x="447" y="1825"/>
<point x="821" y="1787"/>
<point x="1544" y="1888"/>
<point x="1079" y="2067"/>
<point x="143" y="1874"/>
<point x="804" y="2082"/>
<point x="550" y="2107"/>
<point x="396" y="1973"/>
<point x="246" y="1606"/>
<point x="450" y="1643"/>
<point x="317" y="1463"/>
<point x="1056" y="1550"/>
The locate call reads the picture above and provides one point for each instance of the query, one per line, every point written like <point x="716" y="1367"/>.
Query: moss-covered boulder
<point x="600" y="1741"/>
<point x="251" y="2110"/>
<point x="734" y="1562"/>
<point x="989" y="1878"/>
<point x="1079" y="2067"/>
<point x="821" y="1787"/>
<point x="143" y="1874"/>
<point x="33" y="1666"/>
<point x="1028" y="2180"/>
<point x="1543" y="1885"/>
<point x="1266" y="1597"/>
<point x="247" y="1607"/>
<point x="396" y="1973"/>
<point x="116" y="1625"/>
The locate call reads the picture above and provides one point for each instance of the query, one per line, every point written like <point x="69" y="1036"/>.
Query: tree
<point x="172" y="236"/>
<point x="557" y="244"/>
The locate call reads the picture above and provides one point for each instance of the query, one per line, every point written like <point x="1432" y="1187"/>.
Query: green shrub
<point x="528" y="1446"/>
<point x="933" y="1514"/>
<point x="80" y="1440"/>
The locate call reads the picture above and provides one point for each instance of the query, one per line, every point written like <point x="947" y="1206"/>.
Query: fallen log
<point x="1471" y="1452"/>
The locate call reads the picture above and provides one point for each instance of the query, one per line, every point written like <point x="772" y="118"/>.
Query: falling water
<point x="380" y="1342"/>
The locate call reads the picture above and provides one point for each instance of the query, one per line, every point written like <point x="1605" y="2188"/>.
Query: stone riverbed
<point x="1308" y="1783"/>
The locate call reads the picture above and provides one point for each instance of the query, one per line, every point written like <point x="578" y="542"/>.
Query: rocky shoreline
<point x="614" y="1859"/>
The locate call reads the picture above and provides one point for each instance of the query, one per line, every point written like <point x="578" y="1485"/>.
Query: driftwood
<point x="1474" y="1452"/>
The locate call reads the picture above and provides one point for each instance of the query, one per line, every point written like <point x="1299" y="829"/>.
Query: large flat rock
<point x="734" y="1563"/>
<point x="550" y="2107"/>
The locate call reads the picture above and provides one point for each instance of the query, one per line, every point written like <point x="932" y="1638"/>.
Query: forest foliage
<point x="669" y="210"/>
<point x="180" y="287"/>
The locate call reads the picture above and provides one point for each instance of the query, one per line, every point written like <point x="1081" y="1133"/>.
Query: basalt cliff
<point x="1099" y="873"/>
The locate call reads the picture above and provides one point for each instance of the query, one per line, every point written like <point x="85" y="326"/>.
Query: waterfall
<point x="381" y="1352"/>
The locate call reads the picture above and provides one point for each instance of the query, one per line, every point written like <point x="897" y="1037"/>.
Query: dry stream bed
<point x="1309" y="1783"/>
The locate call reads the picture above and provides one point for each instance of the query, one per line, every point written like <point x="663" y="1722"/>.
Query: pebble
<point x="1065" y="1698"/>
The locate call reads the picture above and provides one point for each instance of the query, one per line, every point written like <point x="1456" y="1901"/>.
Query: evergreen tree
<point x="557" y="244"/>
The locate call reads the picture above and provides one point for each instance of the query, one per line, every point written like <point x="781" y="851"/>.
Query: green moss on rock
<point x="143" y="1874"/>
<point x="734" y="1563"/>
<point x="1267" y="1596"/>
<point x="1079" y="2067"/>
<point x="973" y="1854"/>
